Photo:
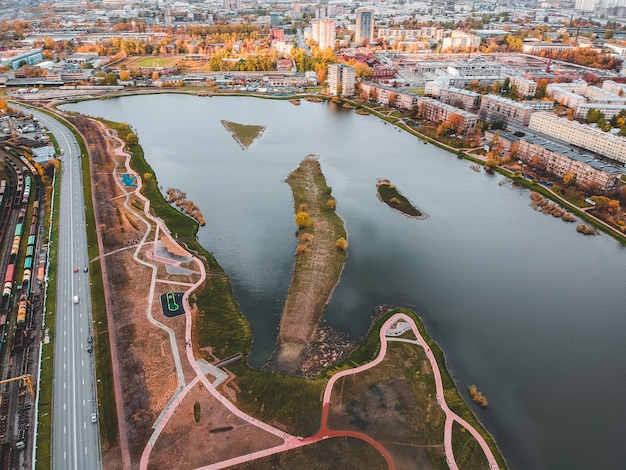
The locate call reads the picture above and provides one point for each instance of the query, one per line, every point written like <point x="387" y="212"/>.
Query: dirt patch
<point x="145" y="370"/>
<point x="221" y="434"/>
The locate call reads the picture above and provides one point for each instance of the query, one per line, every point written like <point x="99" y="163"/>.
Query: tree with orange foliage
<point x="568" y="178"/>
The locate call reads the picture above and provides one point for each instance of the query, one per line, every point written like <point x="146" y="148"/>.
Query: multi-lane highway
<point x="75" y="439"/>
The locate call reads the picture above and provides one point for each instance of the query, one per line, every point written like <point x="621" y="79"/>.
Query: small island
<point x="244" y="134"/>
<point x="390" y="195"/>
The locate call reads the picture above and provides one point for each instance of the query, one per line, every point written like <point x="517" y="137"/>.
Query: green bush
<point x="196" y="412"/>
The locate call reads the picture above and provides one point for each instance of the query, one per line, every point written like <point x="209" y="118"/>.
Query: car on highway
<point x="75" y="299"/>
<point x="76" y="269"/>
<point x="94" y="418"/>
<point x="85" y="269"/>
<point x="89" y="348"/>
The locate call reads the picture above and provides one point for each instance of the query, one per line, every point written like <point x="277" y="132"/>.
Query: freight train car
<point x="8" y="279"/>
<point x="22" y="310"/>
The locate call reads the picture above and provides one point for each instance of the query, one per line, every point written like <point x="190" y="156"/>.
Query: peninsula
<point x="319" y="260"/>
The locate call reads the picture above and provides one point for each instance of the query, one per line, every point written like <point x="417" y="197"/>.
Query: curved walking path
<point x="289" y="441"/>
<point x="450" y="415"/>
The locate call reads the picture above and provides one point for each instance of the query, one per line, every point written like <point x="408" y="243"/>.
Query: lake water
<point x="526" y="308"/>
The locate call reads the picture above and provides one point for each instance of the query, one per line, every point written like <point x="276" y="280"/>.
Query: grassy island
<point x="244" y="134"/>
<point x="390" y="195"/>
<point x="320" y="257"/>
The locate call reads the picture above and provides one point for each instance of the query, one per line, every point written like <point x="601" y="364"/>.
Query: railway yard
<point x="22" y="264"/>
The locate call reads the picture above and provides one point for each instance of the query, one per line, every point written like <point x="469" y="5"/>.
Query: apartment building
<point x="424" y="32"/>
<point x="540" y="105"/>
<point x="614" y="87"/>
<point x="579" y="86"/>
<point x="608" y="109"/>
<point x="464" y="99"/>
<point x="384" y="95"/>
<point x="435" y="111"/>
<point x="525" y="86"/>
<point x="558" y="160"/>
<point x="364" y="25"/>
<point x="597" y="92"/>
<point x="341" y="80"/>
<point x="581" y="135"/>
<point x="568" y="98"/>
<point x="536" y="47"/>
<point x="493" y="107"/>
<point x="460" y="40"/>
<point x="323" y="32"/>
<point x="434" y="87"/>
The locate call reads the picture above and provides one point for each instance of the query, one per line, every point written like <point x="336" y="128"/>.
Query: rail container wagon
<point x="21" y="311"/>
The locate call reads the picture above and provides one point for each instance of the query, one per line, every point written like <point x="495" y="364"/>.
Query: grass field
<point x="155" y="62"/>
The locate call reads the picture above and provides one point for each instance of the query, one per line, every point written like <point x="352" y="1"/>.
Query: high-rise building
<point x="586" y="5"/>
<point x="364" y="25"/>
<point x="341" y="80"/>
<point x="323" y="32"/>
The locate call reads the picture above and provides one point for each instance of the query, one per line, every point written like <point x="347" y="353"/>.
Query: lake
<point x="522" y="305"/>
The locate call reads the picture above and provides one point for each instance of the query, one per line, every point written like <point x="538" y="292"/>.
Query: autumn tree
<point x="331" y="204"/>
<point x="363" y="71"/>
<point x="569" y="177"/>
<point x="131" y="138"/>
<point x="373" y="95"/>
<point x="444" y="127"/>
<point x="456" y="122"/>
<point x="341" y="244"/>
<point x="303" y="220"/>
<point x="393" y="99"/>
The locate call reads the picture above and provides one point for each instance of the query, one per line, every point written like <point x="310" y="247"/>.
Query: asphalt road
<point x="75" y="439"/>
